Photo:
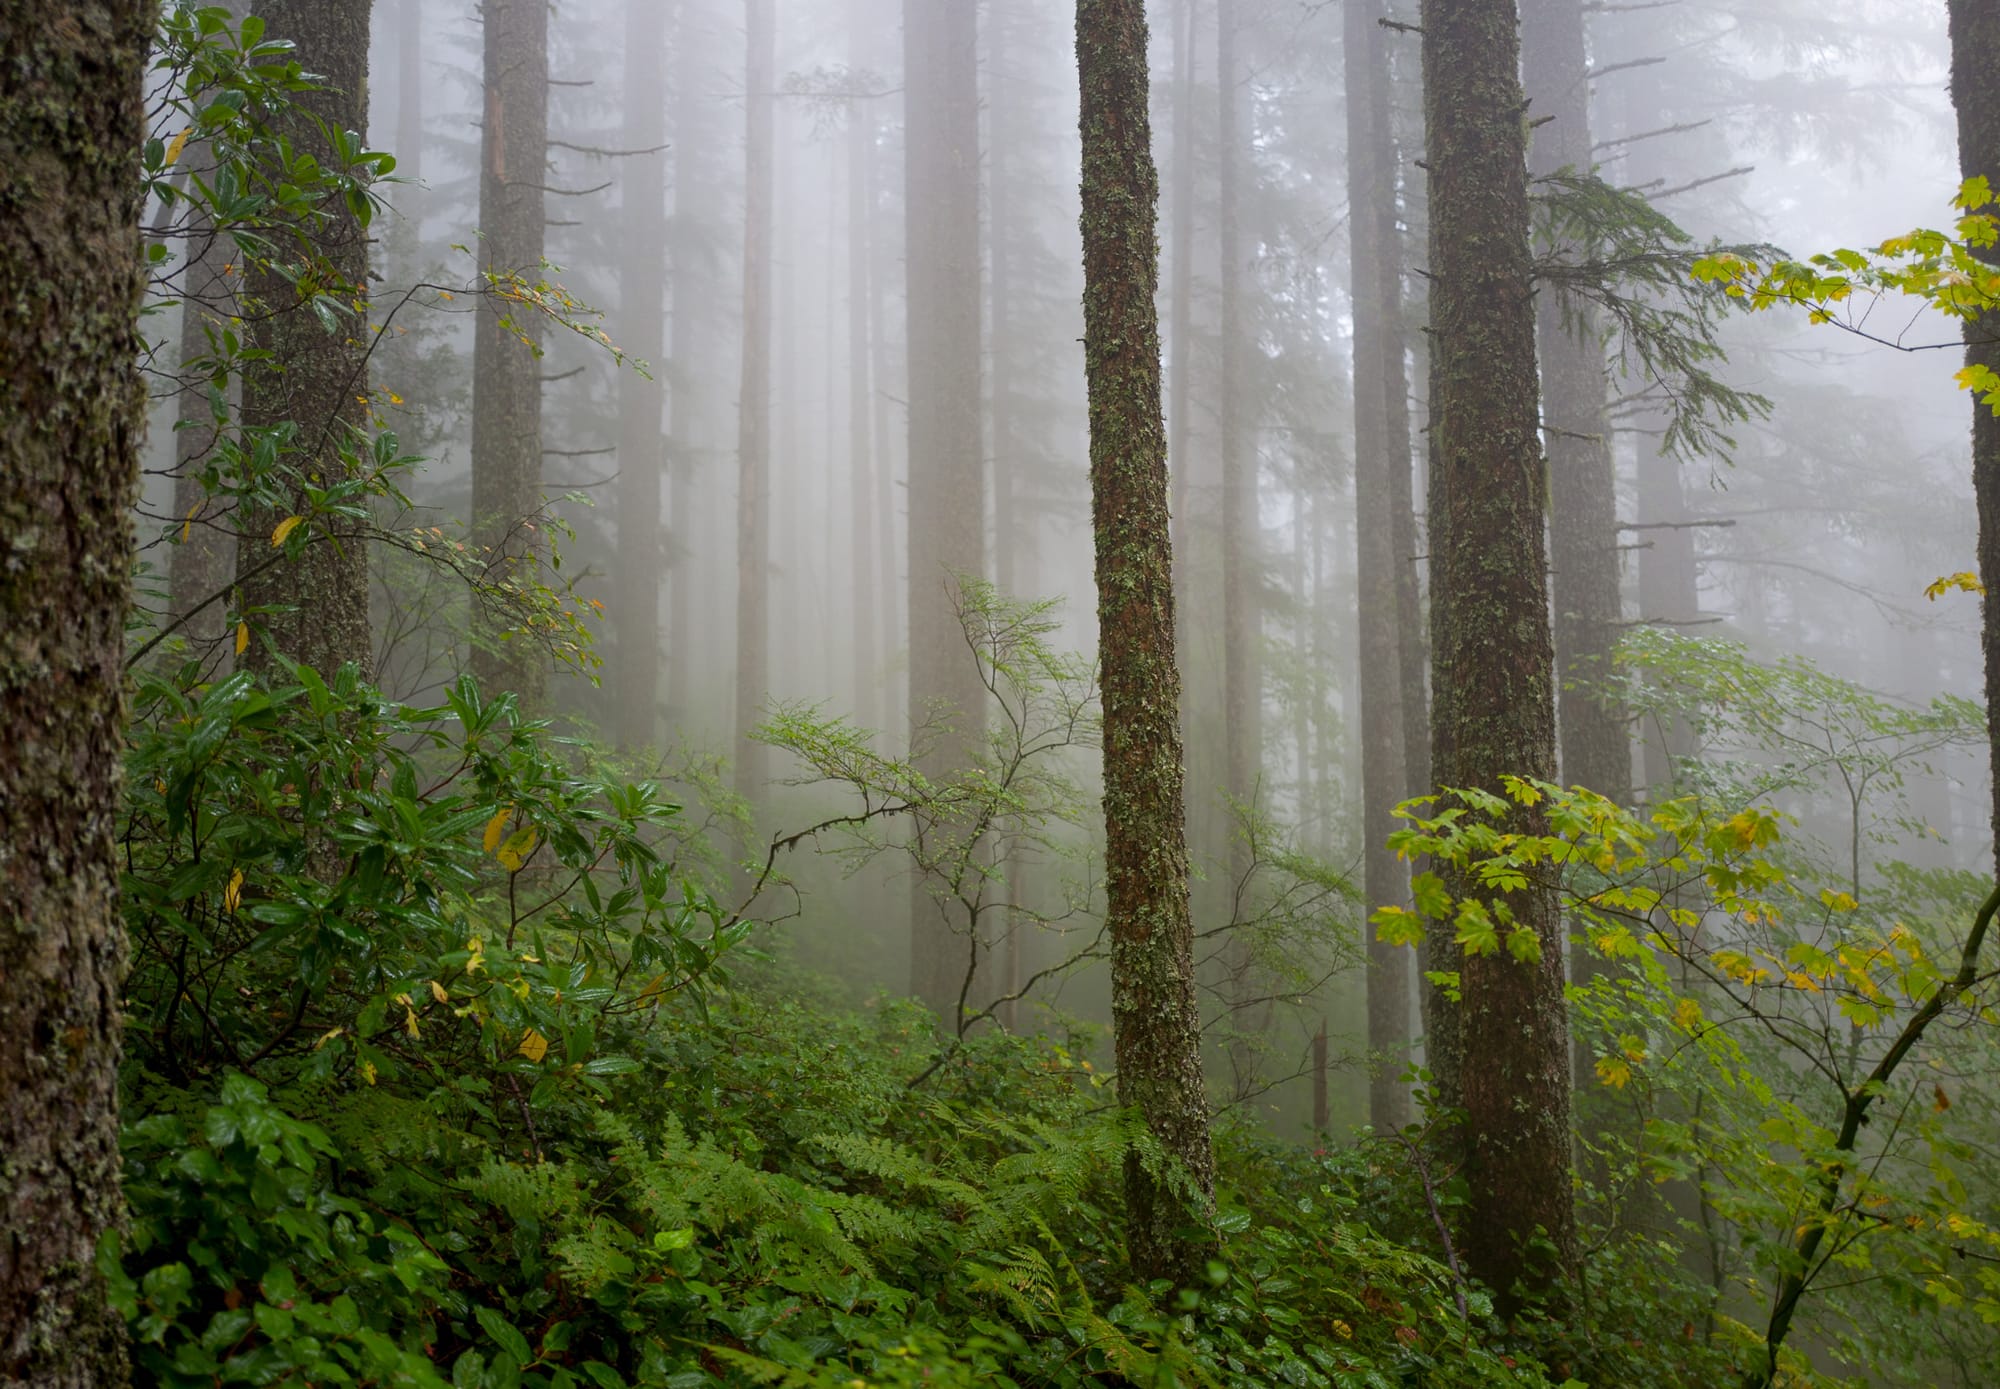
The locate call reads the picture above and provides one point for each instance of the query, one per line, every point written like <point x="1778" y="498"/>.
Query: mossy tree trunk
<point x="1156" y="1023"/>
<point x="947" y="484"/>
<point x="506" y="374"/>
<point x="1492" y="657"/>
<point x="641" y="402"/>
<point x="71" y="417"/>
<point x="316" y="376"/>
<point x="1377" y="455"/>
<point x="1975" y="91"/>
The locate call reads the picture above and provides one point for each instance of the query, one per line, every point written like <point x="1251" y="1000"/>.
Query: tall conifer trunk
<point x="506" y="375"/>
<point x="314" y="377"/>
<point x="1975" y="91"/>
<point x="861" y="385"/>
<point x="1377" y="456"/>
<point x="1156" y="1024"/>
<point x="947" y="475"/>
<point x="753" y="419"/>
<point x="72" y="415"/>
<point x="641" y="442"/>
<point x="1492" y="659"/>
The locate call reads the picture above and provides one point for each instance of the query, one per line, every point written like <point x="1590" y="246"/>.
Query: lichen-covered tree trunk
<point x="1975" y="91"/>
<point x="71" y="416"/>
<point x="506" y="374"/>
<point x="947" y="488"/>
<point x="1384" y="779"/>
<point x="1156" y="1023"/>
<point x="641" y="437"/>
<point x="1492" y="662"/>
<point x="1594" y="748"/>
<point x="315" y="376"/>
<point x="753" y="419"/>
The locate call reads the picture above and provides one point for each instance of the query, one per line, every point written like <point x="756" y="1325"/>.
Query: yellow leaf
<point x="438" y="992"/>
<point x="1613" y="1072"/>
<point x="232" y="896"/>
<point x="1963" y="582"/>
<point x="189" y="522"/>
<point x="520" y="846"/>
<point x="242" y="637"/>
<point x="534" y="1045"/>
<point x="495" y="828"/>
<point x="368" y="1071"/>
<point x="179" y="143"/>
<point x="410" y="1020"/>
<point x="328" y="1038"/>
<point x="285" y="528"/>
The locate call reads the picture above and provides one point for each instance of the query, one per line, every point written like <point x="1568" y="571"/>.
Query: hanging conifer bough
<point x="1503" y="1055"/>
<point x="1156" y="1022"/>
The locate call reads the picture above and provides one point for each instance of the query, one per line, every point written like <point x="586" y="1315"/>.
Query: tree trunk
<point x="1156" y="1023"/>
<point x="641" y="441"/>
<point x="1491" y="650"/>
<point x="72" y="120"/>
<point x="1377" y="456"/>
<point x="691" y="448"/>
<point x="1242" y="654"/>
<point x="947" y="482"/>
<point x="204" y="562"/>
<point x="1180" y="292"/>
<point x="753" y="420"/>
<point x="411" y="52"/>
<point x="1975" y="91"/>
<point x="506" y="374"/>
<point x="313" y="378"/>
<point x="861" y="386"/>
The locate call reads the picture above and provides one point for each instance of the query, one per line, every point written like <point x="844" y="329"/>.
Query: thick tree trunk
<point x="1491" y="649"/>
<point x="1157" y="1026"/>
<point x="1377" y="457"/>
<point x="71" y="124"/>
<point x="641" y="403"/>
<point x="313" y="378"/>
<point x="947" y="477"/>
<point x="1975" y="91"/>
<point x="506" y="375"/>
<point x="753" y="420"/>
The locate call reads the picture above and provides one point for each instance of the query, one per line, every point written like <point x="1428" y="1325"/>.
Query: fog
<point x="1804" y="124"/>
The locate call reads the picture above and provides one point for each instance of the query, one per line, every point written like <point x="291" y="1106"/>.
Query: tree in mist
<point x="1381" y="447"/>
<point x="1242" y="654"/>
<point x="641" y="444"/>
<point x="71" y="421"/>
<point x="870" y="529"/>
<point x="1502" y="1053"/>
<point x="753" y="429"/>
<point x="506" y="371"/>
<point x="315" y="375"/>
<point x="1156" y="1023"/>
<point x="947" y="490"/>
<point x="1975" y="92"/>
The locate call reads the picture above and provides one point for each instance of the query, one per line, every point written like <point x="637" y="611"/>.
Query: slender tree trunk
<point x="1975" y="91"/>
<point x="204" y="560"/>
<point x="313" y="378"/>
<point x="1156" y="1024"/>
<point x="753" y="420"/>
<point x="641" y="441"/>
<point x="693" y="324"/>
<point x="72" y="120"/>
<point x="1377" y="456"/>
<point x="506" y="374"/>
<point x="866" y="567"/>
<point x="1595" y="750"/>
<point x="1241" y="619"/>
<point x="1491" y="648"/>
<point x="1180" y="300"/>
<point x="411" y="53"/>
<point x="947" y="483"/>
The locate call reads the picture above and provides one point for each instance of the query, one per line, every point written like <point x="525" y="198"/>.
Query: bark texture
<point x="947" y="474"/>
<point x="1975" y="91"/>
<point x="753" y="420"/>
<point x="641" y="403"/>
<point x="1377" y="455"/>
<point x="1157" y="1026"/>
<point x="314" y="378"/>
<point x="71" y="417"/>
<point x="506" y="375"/>
<point x="1492" y="662"/>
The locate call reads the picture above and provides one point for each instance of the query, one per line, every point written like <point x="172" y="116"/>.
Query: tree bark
<point x="313" y="378"/>
<point x="204" y="562"/>
<point x="947" y="533"/>
<point x="1377" y="456"/>
<point x="506" y="373"/>
<point x="1242" y="636"/>
<point x="72" y="121"/>
<point x="753" y="420"/>
<point x="1156" y="1024"/>
<point x="641" y="402"/>
<point x="1975" y="91"/>
<point x="1492" y="661"/>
